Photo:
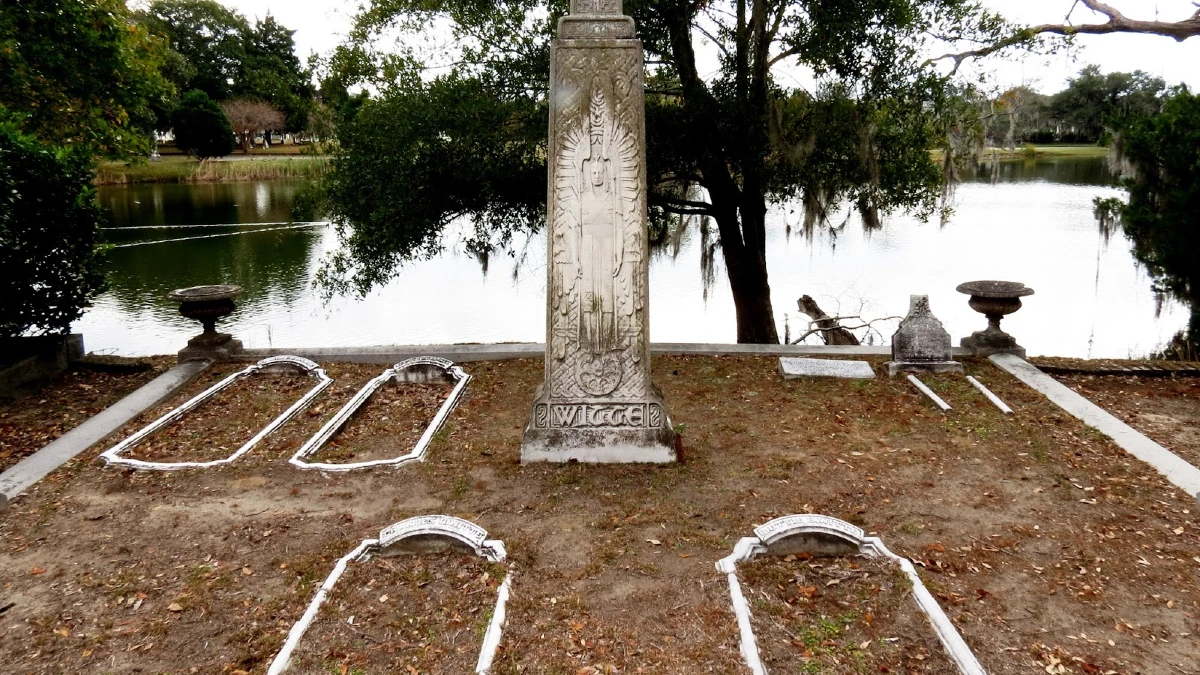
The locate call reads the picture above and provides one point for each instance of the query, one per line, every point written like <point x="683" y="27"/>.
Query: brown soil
<point x="30" y="422"/>
<point x="388" y="425"/>
<point x="425" y="613"/>
<point x="1045" y="543"/>
<point x="1165" y="409"/>
<point x="833" y="615"/>
<point x="219" y="426"/>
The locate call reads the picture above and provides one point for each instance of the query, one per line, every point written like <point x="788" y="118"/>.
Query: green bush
<point x="201" y="126"/>
<point x="49" y="227"/>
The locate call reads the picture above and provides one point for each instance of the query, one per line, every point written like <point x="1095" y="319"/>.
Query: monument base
<point x="985" y="343"/>
<point x="224" y="351"/>
<point x="599" y="432"/>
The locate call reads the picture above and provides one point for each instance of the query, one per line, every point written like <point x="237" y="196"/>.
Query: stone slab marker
<point x="597" y="403"/>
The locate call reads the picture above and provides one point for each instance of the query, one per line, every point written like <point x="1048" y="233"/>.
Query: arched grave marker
<point x="113" y="456"/>
<point x="827" y="536"/>
<point x="420" y="369"/>
<point x="413" y="536"/>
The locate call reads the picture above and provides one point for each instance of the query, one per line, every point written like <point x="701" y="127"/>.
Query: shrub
<point x="49" y="227"/>
<point x="201" y="126"/>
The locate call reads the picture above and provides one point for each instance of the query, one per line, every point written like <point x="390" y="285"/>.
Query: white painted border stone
<point x="112" y="456"/>
<point x="776" y="533"/>
<point x="400" y="372"/>
<point x="1170" y="465"/>
<point x="929" y="392"/>
<point x="990" y="396"/>
<point x="445" y="526"/>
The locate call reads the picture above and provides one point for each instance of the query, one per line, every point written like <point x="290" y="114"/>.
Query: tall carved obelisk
<point x="597" y="403"/>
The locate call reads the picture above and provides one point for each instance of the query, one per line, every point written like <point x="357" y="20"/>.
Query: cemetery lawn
<point x="1051" y="549"/>
<point x="42" y="414"/>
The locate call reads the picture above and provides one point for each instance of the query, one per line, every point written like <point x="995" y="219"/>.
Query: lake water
<point x="1035" y="225"/>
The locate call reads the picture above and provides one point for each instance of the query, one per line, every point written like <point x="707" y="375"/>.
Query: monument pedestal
<point x="597" y="403"/>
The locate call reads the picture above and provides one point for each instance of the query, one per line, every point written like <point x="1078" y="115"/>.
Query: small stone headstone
<point x="792" y="368"/>
<point x="921" y="344"/>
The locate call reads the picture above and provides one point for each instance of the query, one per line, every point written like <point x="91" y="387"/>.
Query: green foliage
<point x="1093" y="101"/>
<point x="721" y="145"/>
<point x="463" y="151"/>
<point x="217" y="51"/>
<point x="201" y="127"/>
<point x="1162" y="217"/>
<point x="82" y="74"/>
<point x="206" y="41"/>
<point x="49" y="226"/>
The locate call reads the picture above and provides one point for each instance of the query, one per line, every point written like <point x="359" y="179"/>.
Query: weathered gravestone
<point x="597" y="403"/>
<point x="921" y="344"/>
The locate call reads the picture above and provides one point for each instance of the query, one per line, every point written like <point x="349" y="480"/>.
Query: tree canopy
<point x="463" y="136"/>
<point x="216" y="50"/>
<point x="81" y="73"/>
<point x="201" y="127"/>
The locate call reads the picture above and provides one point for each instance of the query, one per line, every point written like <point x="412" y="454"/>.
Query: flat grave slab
<point x="797" y="367"/>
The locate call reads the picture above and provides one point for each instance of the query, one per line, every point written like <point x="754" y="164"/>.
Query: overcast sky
<point x="321" y="24"/>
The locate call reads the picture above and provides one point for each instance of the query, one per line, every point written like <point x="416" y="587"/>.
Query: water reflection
<point x="1035" y="226"/>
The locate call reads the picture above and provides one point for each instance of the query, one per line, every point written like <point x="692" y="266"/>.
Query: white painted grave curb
<point x="399" y="372"/>
<point x="776" y="533"/>
<point x="440" y="526"/>
<point x="1176" y="470"/>
<point x="112" y="456"/>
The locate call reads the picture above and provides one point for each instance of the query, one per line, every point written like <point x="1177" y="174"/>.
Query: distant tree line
<point x="1085" y="112"/>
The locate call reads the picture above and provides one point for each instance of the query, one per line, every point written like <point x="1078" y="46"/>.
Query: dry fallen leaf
<point x="247" y="571"/>
<point x="38" y="570"/>
<point x="175" y="607"/>
<point x="655" y="542"/>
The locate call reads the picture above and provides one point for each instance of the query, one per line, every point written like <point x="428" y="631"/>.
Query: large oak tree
<point x="459" y="130"/>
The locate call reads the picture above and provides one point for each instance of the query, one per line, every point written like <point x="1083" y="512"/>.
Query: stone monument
<point x="597" y="403"/>
<point x="921" y="344"/>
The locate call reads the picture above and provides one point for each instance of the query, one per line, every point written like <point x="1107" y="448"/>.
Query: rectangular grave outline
<point x="489" y="549"/>
<point x="112" y="456"/>
<point x="778" y="529"/>
<point x="339" y="420"/>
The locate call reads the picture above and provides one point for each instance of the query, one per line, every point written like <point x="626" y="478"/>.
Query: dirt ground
<point x="40" y="416"/>
<point x="389" y="614"/>
<point x="853" y="615"/>
<point x="1051" y="549"/>
<point x="1163" y="408"/>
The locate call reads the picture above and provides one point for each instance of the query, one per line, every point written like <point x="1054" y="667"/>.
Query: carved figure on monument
<point x="597" y="402"/>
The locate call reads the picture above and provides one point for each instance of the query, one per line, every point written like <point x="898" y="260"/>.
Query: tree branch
<point x="1117" y="23"/>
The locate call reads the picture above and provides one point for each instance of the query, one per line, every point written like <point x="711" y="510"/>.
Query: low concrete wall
<point x="462" y="353"/>
<point x="44" y="357"/>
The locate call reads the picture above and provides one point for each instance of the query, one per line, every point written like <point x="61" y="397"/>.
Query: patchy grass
<point x="852" y="615"/>
<point x="1046" y="544"/>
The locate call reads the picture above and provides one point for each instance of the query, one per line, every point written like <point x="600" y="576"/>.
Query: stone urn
<point x="995" y="300"/>
<point x="208" y="304"/>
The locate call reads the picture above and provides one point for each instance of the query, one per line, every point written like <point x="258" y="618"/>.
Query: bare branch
<point x="1117" y="23"/>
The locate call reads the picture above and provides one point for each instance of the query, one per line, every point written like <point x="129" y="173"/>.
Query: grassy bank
<point x="177" y="169"/>
<point x="1039" y="152"/>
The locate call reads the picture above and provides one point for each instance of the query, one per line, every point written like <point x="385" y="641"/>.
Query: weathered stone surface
<point x="921" y="344"/>
<point x="792" y="368"/>
<point x="597" y="403"/>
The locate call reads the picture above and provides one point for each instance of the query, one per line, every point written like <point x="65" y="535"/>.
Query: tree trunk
<point x="746" y="267"/>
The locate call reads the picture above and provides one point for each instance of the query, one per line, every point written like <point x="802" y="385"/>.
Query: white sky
<point x="321" y="24"/>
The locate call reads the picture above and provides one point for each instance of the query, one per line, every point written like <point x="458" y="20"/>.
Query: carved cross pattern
<point x="595" y="6"/>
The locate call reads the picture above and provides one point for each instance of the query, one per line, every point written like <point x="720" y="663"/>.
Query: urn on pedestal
<point x="208" y="304"/>
<point x="995" y="300"/>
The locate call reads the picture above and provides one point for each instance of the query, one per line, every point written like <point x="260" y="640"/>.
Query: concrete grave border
<point x="420" y="369"/>
<point x="457" y="531"/>
<point x="113" y="457"/>
<point x="825" y="535"/>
